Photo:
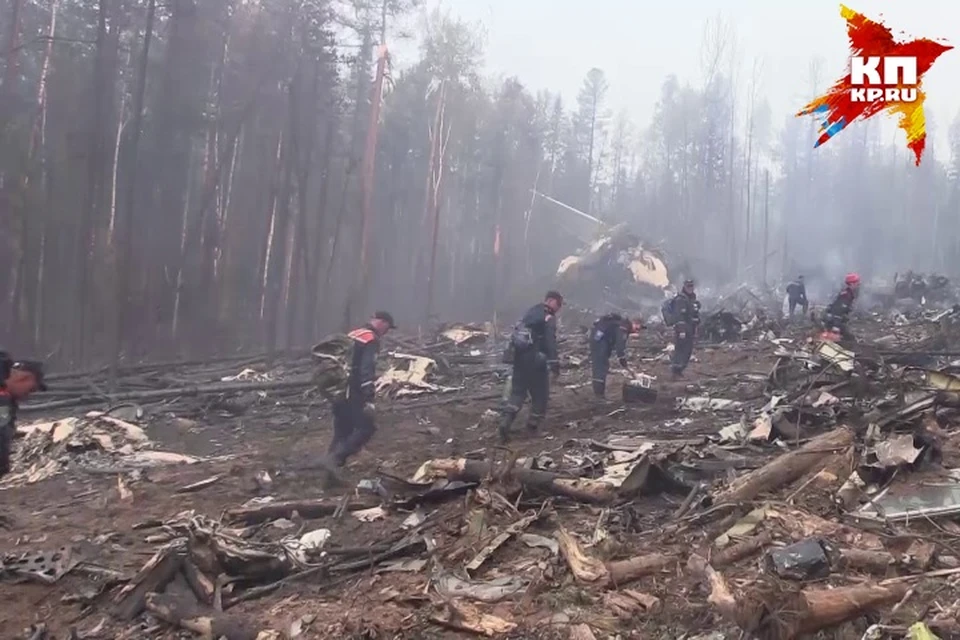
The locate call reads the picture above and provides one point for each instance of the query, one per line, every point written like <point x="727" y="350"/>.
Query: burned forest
<point x="314" y="326"/>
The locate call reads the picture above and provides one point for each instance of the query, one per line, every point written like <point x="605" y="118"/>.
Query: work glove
<point x="369" y="409"/>
<point x="555" y="369"/>
<point x="624" y="363"/>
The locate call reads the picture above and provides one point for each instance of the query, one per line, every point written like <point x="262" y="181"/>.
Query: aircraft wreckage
<point x="614" y="267"/>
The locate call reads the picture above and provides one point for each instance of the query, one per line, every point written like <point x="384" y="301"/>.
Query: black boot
<point x="503" y="431"/>
<point x="599" y="389"/>
<point x="533" y="423"/>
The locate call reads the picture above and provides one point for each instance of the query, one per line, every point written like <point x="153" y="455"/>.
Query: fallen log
<point x="623" y="571"/>
<point x="201" y="585"/>
<point x="170" y="364"/>
<point x="308" y="509"/>
<point x="579" y="489"/>
<point x="416" y="405"/>
<point x="721" y="596"/>
<point x="610" y="574"/>
<point x="164" y="394"/>
<point x="825" y="608"/>
<point x="155" y="575"/>
<point x="869" y="561"/>
<point x="778" y="615"/>
<point x="186" y="615"/>
<point x="787" y="468"/>
<point x="741" y="550"/>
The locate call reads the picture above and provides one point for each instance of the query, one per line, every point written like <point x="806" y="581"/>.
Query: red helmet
<point x="852" y="278"/>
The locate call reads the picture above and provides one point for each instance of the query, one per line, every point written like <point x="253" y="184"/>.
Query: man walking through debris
<point x="797" y="295"/>
<point x="608" y="336"/>
<point x="354" y="411"/>
<point x="836" y="317"/>
<point x="684" y="312"/>
<point x="18" y="379"/>
<point x="533" y="345"/>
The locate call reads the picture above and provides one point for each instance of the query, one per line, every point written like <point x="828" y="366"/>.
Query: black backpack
<point x="669" y="311"/>
<point x="522" y="338"/>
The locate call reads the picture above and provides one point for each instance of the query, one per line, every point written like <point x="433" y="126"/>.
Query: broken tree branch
<point x="187" y="615"/>
<point x="593" y="571"/>
<point x="826" y="608"/>
<point x="741" y="550"/>
<point x="787" y="468"/>
<point x="579" y="489"/>
<point x="807" y="611"/>
<point x="314" y="508"/>
<point x="164" y="394"/>
<point x="155" y="575"/>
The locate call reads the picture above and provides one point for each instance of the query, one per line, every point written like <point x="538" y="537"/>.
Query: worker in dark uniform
<point x="836" y="317"/>
<point x="353" y="412"/>
<point x="19" y="378"/>
<point x="686" y="309"/>
<point x="797" y="295"/>
<point x="607" y="336"/>
<point x="534" y="345"/>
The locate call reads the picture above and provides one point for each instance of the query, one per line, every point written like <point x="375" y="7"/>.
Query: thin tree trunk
<point x="92" y="198"/>
<point x="439" y="140"/>
<point x="766" y="222"/>
<point x="13" y="55"/>
<point x="127" y="216"/>
<point x="182" y="263"/>
<point x="367" y="176"/>
<point x="41" y="131"/>
<point x="295" y="297"/>
<point x="314" y="291"/>
<point x="267" y="313"/>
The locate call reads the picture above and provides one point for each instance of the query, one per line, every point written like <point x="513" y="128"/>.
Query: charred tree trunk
<point x="313" y="291"/>
<point x="353" y="160"/>
<point x="127" y="215"/>
<point x="96" y="164"/>
<point x="276" y="257"/>
<point x="211" y="220"/>
<point x="38" y="141"/>
<point x="360" y="294"/>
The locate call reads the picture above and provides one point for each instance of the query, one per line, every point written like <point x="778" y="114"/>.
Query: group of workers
<point x="532" y="350"/>
<point x="836" y="316"/>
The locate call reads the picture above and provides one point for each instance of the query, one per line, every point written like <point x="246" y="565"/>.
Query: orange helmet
<point x="852" y="278"/>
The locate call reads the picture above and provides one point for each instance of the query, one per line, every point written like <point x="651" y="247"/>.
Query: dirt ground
<point x="82" y="507"/>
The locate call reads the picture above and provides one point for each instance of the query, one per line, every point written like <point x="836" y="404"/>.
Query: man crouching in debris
<point x="533" y="344"/>
<point x="353" y="412"/>
<point x="608" y="336"/>
<point x="686" y="314"/>
<point x="797" y="295"/>
<point x="19" y="379"/>
<point x="836" y="317"/>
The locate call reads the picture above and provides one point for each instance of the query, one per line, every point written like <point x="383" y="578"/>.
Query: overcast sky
<point x="551" y="44"/>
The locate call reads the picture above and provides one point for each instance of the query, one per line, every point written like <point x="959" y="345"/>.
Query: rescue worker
<point x="836" y="317"/>
<point x="18" y="379"/>
<point x="608" y="336"/>
<point x="354" y="412"/>
<point x="797" y="295"/>
<point x="686" y="310"/>
<point x="534" y="346"/>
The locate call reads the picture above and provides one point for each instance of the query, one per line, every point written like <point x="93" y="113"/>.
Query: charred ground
<point x="635" y="548"/>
